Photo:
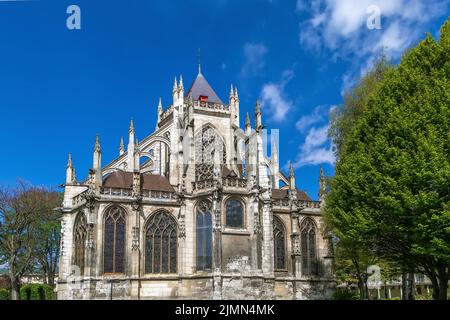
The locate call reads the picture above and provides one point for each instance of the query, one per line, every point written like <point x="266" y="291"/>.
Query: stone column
<point x="217" y="236"/>
<point x="90" y="270"/>
<point x="296" y="248"/>
<point x="136" y="266"/>
<point x="254" y="218"/>
<point x="267" y="235"/>
<point x="328" y="259"/>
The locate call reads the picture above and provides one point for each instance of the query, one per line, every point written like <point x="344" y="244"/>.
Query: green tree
<point x="351" y="263"/>
<point x="48" y="234"/>
<point x="392" y="183"/>
<point x="20" y="211"/>
<point x="353" y="255"/>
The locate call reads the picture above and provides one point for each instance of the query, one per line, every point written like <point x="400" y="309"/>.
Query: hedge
<point x="4" y="294"/>
<point x="36" y="292"/>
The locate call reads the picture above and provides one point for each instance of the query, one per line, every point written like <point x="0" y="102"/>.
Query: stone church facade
<point x="196" y="210"/>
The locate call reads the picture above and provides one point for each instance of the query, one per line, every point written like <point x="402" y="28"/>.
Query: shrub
<point x="4" y="294"/>
<point x="424" y="296"/>
<point x="36" y="292"/>
<point x="344" y="294"/>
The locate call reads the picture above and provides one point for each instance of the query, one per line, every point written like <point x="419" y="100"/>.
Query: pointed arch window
<point x="209" y="150"/>
<point x="161" y="244"/>
<point x="308" y="245"/>
<point x="114" y="241"/>
<point x="234" y="214"/>
<point x="279" y="237"/>
<point x="80" y="236"/>
<point x="204" y="236"/>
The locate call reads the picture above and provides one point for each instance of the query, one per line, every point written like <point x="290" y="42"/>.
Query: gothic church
<point x="196" y="210"/>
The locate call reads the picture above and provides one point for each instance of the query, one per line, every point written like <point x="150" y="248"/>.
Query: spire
<point x="236" y="93"/>
<point x="321" y="183"/>
<point x="121" y="147"/>
<point x="136" y="155"/>
<point x="131" y="127"/>
<point x="69" y="161"/>
<point x="199" y="62"/>
<point x="291" y="177"/>
<point x="258" y="121"/>
<point x="181" y="82"/>
<point x="248" y="126"/>
<point x="97" y="147"/>
<point x="130" y="148"/>
<point x="231" y="91"/>
<point x="257" y="107"/>
<point x="160" y="108"/>
<point x="97" y="163"/>
<point x="175" y="85"/>
<point x="70" y="171"/>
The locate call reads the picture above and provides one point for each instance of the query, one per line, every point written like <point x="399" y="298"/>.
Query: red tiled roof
<point x="283" y="194"/>
<point x="124" y="180"/>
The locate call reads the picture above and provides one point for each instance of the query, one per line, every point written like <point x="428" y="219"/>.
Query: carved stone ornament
<point x="90" y="242"/>
<point x="296" y="249"/>
<point x="182" y="224"/>
<point x="135" y="241"/>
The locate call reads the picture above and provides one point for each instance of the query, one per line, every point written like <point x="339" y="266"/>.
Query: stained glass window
<point x="279" y="244"/>
<point x="234" y="214"/>
<point x="209" y="147"/>
<point x="161" y="244"/>
<point x="204" y="236"/>
<point x="308" y="245"/>
<point x="114" y="241"/>
<point x="80" y="235"/>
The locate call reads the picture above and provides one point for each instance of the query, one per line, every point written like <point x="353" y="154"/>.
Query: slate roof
<point x="201" y="87"/>
<point x="124" y="180"/>
<point x="283" y="194"/>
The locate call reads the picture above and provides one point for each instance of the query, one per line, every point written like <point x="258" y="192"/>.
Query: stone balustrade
<point x="284" y="203"/>
<point x="146" y="194"/>
<point x="211" y="106"/>
<point x="79" y="199"/>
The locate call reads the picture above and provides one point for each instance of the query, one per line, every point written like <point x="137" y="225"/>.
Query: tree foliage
<point x="391" y="191"/>
<point x="23" y="212"/>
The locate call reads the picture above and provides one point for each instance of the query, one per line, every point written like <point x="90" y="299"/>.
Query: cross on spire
<point x="199" y="62"/>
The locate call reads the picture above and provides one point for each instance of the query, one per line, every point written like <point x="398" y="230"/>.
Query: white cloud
<point x="316" y="149"/>
<point x="319" y="113"/>
<point x="273" y="97"/>
<point x="254" y="58"/>
<point x="341" y="27"/>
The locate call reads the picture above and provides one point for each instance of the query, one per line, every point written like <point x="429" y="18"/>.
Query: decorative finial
<point x="291" y="177"/>
<point x="69" y="161"/>
<point x="97" y="147"/>
<point x="131" y="126"/>
<point x="257" y="107"/>
<point x="322" y="184"/>
<point x="199" y="62"/>
<point x="121" y="147"/>
<point x="231" y="91"/>
<point x="236" y="93"/>
<point x="247" y="120"/>
<point x="181" y="82"/>
<point x="175" y="85"/>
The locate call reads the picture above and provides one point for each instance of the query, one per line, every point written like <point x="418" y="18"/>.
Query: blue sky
<point x="60" y="87"/>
